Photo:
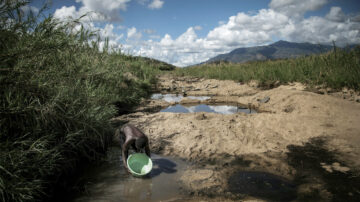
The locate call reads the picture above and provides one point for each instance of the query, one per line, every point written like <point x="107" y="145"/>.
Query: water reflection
<point x="220" y="109"/>
<point x="176" y="98"/>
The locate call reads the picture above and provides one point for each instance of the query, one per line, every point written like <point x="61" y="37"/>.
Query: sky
<point x="187" y="32"/>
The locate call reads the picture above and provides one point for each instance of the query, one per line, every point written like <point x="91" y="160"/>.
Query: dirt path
<point x="292" y="122"/>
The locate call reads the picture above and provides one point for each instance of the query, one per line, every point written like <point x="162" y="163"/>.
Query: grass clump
<point x="57" y="94"/>
<point x="335" y="69"/>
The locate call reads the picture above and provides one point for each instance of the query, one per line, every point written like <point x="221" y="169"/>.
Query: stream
<point x="111" y="181"/>
<point x="318" y="172"/>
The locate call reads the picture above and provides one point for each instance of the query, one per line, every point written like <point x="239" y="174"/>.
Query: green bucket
<point x="139" y="164"/>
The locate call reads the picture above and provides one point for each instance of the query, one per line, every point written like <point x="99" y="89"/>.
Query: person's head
<point x="140" y="142"/>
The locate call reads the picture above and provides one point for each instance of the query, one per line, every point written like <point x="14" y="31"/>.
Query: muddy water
<point x="111" y="182"/>
<point x="220" y="109"/>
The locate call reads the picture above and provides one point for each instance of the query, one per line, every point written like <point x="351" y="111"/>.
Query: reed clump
<point x="57" y="95"/>
<point x="336" y="69"/>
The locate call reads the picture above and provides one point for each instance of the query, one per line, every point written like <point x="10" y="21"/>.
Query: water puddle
<point x="220" y="109"/>
<point x="111" y="182"/>
<point x="262" y="185"/>
<point x="176" y="98"/>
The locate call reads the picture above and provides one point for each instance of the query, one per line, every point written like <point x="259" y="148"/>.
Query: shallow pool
<point x="176" y="97"/>
<point x="111" y="182"/>
<point x="220" y="109"/>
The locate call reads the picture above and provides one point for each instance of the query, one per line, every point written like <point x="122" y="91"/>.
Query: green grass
<point x="57" y="95"/>
<point x="336" y="69"/>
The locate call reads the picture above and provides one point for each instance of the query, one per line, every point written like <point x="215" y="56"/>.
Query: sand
<point x="217" y="143"/>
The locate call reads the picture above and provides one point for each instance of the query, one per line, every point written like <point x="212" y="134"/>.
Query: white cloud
<point x="133" y="34"/>
<point x="155" y="36"/>
<point x="104" y="5"/>
<point x="149" y="31"/>
<point x="244" y="30"/>
<point x="198" y="27"/>
<point x="65" y="12"/>
<point x="104" y="10"/>
<point x="121" y="27"/>
<point x="336" y="14"/>
<point x="142" y="2"/>
<point x="283" y="20"/>
<point x="87" y="15"/>
<point x="156" y="4"/>
<point x="296" y="8"/>
<point x="323" y="30"/>
<point x="27" y="9"/>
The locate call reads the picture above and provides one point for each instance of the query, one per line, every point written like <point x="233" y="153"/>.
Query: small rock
<point x="200" y="117"/>
<point x="264" y="100"/>
<point x="322" y="91"/>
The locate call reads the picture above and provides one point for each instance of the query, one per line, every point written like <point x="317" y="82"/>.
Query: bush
<point x="57" y="96"/>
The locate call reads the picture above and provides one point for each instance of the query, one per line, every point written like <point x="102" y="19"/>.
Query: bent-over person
<point x="130" y="136"/>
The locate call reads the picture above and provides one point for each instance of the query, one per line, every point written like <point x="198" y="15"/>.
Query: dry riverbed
<point x="306" y="142"/>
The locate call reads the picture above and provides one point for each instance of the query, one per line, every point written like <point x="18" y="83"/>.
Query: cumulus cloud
<point x="243" y="30"/>
<point x="323" y="30"/>
<point x="133" y="34"/>
<point x="156" y="4"/>
<point x="104" y="10"/>
<point x="336" y="14"/>
<point x="282" y="20"/>
<point x="296" y="8"/>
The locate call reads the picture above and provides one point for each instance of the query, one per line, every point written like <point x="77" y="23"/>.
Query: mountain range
<point x="277" y="50"/>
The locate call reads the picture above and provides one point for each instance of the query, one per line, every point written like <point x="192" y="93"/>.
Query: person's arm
<point x="147" y="149"/>
<point x="125" y="152"/>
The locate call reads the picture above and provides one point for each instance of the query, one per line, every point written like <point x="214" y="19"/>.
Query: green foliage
<point x="57" y="95"/>
<point x="335" y="69"/>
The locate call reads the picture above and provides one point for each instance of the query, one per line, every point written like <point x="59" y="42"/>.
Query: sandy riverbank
<point x="291" y="121"/>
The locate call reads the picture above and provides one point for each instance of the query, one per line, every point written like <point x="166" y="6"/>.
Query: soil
<point x="303" y="137"/>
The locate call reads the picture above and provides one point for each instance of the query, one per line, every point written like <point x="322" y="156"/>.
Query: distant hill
<point x="278" y="50"/>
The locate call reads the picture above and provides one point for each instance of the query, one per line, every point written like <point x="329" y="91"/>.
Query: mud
<point x="281" y="141"/>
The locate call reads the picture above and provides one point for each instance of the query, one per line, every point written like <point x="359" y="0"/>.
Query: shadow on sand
<point x="162" y="165"/>
<point x="310" y="161"/>
<point x="262" y="185"/>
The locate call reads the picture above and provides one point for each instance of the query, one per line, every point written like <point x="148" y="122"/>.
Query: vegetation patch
<point x="335" y="69"/>
<point x="57" y="94"/>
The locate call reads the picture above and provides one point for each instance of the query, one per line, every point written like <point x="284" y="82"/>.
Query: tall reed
<point x="57" y="95"/>
<point x="335" y="69"/>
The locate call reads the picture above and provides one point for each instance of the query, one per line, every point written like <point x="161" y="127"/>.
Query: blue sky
<point x="186" y="32"/>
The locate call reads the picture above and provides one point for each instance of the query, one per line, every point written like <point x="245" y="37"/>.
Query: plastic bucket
<point x="139" y="164"/>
